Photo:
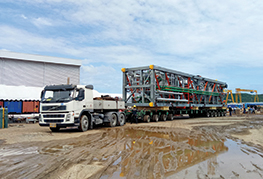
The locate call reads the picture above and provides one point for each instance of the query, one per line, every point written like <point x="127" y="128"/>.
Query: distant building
<point x="23" y="76"/>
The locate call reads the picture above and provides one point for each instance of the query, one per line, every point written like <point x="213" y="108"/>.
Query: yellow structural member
<point x="238" y="94"/>
<point x="151" y="104"/>
<point x="123" y="70"/>
<point x="151" y="67"/>
<point x="229" y="91"/>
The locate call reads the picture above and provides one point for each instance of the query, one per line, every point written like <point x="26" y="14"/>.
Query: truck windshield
<point x="57" y="96"/>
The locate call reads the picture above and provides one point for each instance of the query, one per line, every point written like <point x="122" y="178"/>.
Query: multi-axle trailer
<point x="161" y="93"/>
<point x="157" y="92"/>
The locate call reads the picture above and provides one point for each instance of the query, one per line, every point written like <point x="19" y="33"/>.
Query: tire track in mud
<point x="104" y="149"/>
<point x="130" y="152"/>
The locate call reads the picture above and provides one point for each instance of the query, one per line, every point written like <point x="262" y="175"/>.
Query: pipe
<point x="167" y="99"/>
<point x="168" y="92"/>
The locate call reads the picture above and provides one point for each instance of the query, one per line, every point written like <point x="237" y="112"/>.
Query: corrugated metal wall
<point x="1" y="70"/>
<point x="37" y="74"/>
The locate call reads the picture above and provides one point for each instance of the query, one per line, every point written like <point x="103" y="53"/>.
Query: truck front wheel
<point x="84" y="123"/>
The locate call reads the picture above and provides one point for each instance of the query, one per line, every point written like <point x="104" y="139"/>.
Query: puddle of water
<point x="171" y="154"/>
<point x="141" y="152"/>
<point x="56" y="149"/>
<point x="240" y="161"/>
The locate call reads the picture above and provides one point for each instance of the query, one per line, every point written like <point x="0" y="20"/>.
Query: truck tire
<point x="170" y="117"/>
<point x="54" y="129"/>
<point x="155" y="117"/>
<point x="113" y="120"/>
<point x="208" y="114"/>
<point x="121" y="119"/>
<point x="163" y="117"/>
<point x="84" y="123"/>
<point x="147" y="118"/>
<point x="222" y="113"/>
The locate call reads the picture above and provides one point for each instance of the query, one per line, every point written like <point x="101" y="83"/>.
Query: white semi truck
<point x="64" y="106"/>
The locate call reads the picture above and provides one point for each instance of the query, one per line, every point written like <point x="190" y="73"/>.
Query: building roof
<point x="32" y="93"/>
<point x="38" y="58"/>
<point x="20" y="92"/>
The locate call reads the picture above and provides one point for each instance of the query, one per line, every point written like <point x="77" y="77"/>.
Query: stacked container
<point x="30" y="107"/>
<point x="14" y="107"/>
<point x="3" y="118"/>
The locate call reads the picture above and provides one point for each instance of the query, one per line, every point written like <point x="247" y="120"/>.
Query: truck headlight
<point x="68" y="117"/>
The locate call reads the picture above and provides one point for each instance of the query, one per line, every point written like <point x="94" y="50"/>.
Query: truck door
<point x="80" y="100"/>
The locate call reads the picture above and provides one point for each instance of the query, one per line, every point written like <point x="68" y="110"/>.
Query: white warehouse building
<point x="23" y="76"/>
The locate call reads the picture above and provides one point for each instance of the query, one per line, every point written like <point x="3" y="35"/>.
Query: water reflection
<point x="163" y="152"/>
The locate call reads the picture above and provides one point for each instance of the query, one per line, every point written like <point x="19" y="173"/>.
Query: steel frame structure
<point x="156" y="86"/>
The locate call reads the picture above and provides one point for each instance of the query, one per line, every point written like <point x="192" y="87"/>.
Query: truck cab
<point x="64" y="106"/>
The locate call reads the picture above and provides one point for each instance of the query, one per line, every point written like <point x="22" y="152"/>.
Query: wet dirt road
<point x="188" y="148"/>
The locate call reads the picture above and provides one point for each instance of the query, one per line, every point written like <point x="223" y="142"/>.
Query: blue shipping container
<point x="13" y="106"/>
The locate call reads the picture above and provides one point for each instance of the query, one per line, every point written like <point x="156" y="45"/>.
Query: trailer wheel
<point x="155" y="117"/>
<point x="147" y="118"/>
<point x="121" y="119"/>
<point x="113" y="120"/>
<point x="54" y="129"/>
<point x="215" y="114"/>
<point x="208" y="114"/>
<point x="84" y="123"/>
<point x="170" y="117"/>
<point x="163" y="117"/>
<point x="218" y="114"/>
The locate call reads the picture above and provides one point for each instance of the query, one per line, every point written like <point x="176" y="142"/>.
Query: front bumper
<point x="59" y="125"/>
<point x="60" y="119"/>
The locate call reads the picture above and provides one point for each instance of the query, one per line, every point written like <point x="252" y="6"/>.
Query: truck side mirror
<point x="42" y="93"/>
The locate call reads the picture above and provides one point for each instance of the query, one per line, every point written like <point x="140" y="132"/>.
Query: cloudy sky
<point x="217" y="39"/>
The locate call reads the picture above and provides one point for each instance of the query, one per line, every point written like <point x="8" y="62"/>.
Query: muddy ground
<point x="222" y="147"/>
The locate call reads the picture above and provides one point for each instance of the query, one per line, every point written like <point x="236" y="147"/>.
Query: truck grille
<point x="54" y="116"/>
<point x="53" y="108"/>
<point x="54" y="121"/>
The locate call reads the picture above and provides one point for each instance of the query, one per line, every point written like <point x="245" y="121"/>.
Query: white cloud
<point x="39" y="22"/>
<point x="199" y="38"/>
<point x="181" y="28"/>
<point x="23" y="16"/>
<point x="16" y="40"/>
